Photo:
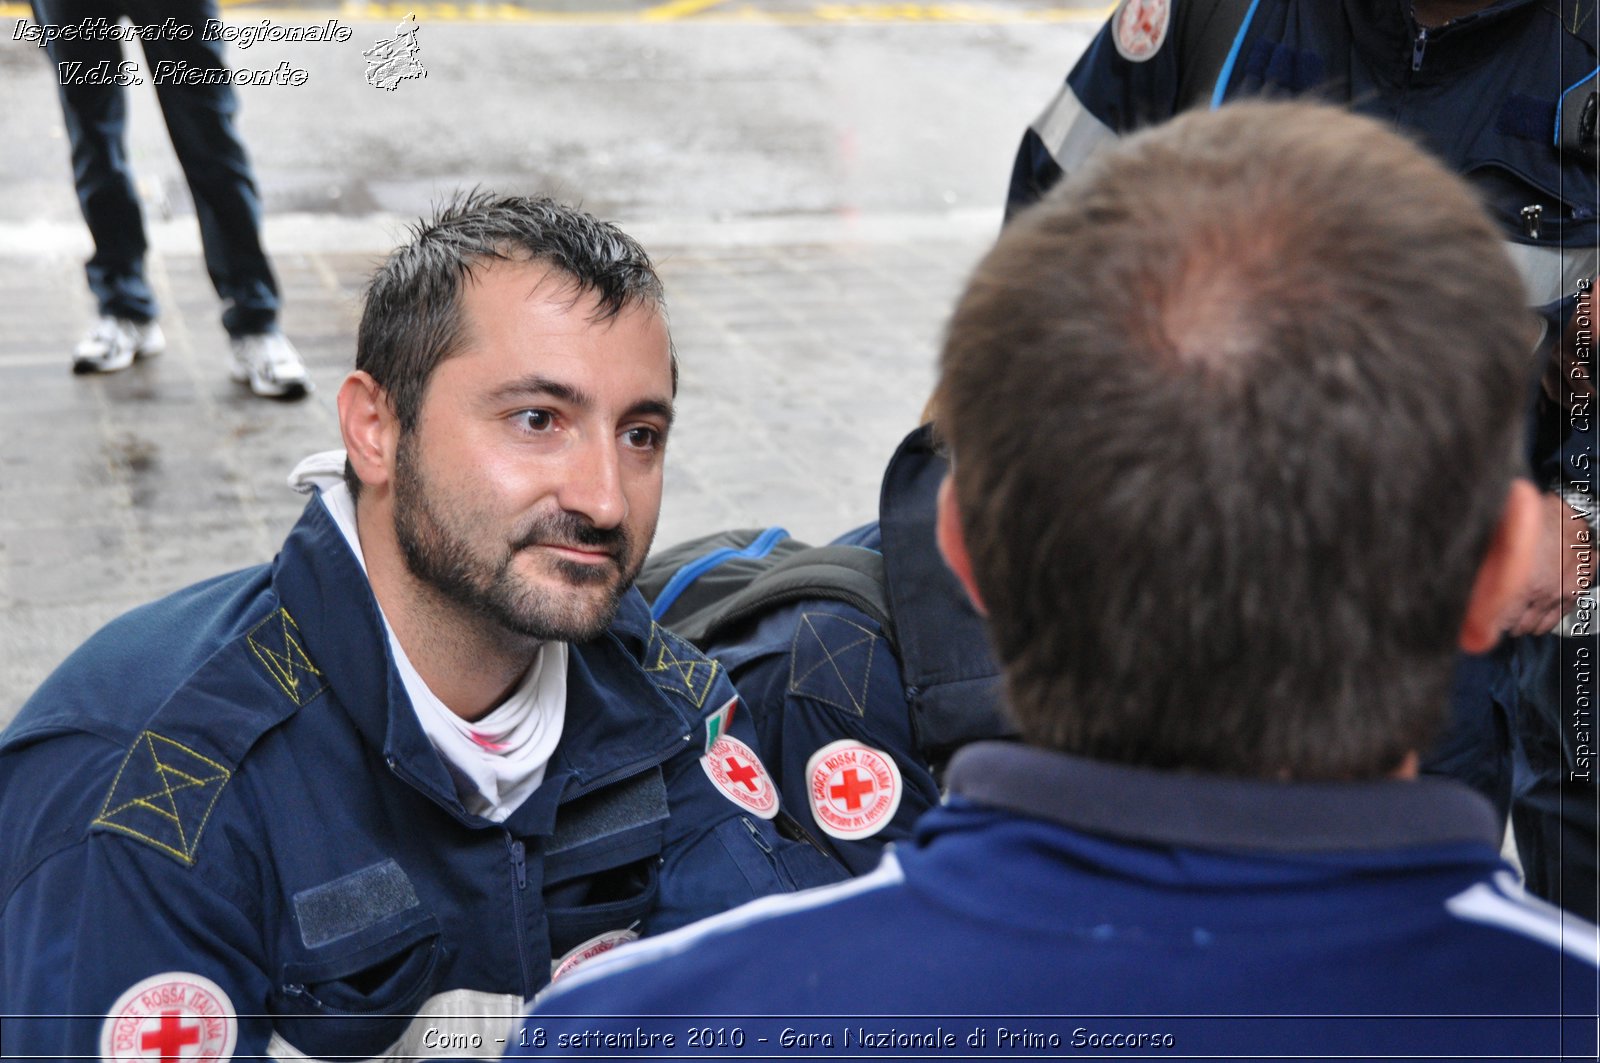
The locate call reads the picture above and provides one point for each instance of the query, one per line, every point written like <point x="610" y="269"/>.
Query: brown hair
<point x="1233" y="415"/>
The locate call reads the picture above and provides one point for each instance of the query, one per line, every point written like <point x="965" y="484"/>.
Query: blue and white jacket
<point x="1119" y="908"/>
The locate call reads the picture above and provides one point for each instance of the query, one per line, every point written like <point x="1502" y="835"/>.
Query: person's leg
<point x="96" y="119"/>
<point x="227" y="206"/>
<point x="215" y="164"/>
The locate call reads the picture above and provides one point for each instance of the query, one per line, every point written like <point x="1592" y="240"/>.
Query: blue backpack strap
<point x="759" y="547"/>
<point x="1209" y="41"/>
<point x="706" y="587"/>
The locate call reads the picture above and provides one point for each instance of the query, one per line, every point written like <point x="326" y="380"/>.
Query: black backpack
<point x="706" y="587"/>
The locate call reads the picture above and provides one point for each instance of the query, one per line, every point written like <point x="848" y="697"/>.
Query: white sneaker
<point x="268" y="362"/>
<point x="114" y="342"/>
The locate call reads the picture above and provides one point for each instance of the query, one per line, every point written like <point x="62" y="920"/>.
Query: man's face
<point x="529" y="490"/>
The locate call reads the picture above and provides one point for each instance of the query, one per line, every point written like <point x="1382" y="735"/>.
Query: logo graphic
<point x="598" y="945"/>
<point x="737" y="772"/>
<point x="677" y="667"/>
<point x="275" y="642"/>
<point x="854" y="789"/>
<point x="394" y="60"/>
<point x="1139" y="27"/>
<point x="717" y="722"/>
<point x="163" y="794"/>
<point x="170" y="1017"/>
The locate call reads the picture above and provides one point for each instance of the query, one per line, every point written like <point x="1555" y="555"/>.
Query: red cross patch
<point x="598" y="945"/>
<point x="174" y="1018"/>
<point x="854" y="789"/>
<point x="1139" y="28"/>
<point x="737" y="772"/>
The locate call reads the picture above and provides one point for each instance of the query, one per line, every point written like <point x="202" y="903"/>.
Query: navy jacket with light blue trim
<point x="823" y="671"/>
<point x="232" y="782"/>
<point x="1057" y="894"/>
<point x="1483" y="92"/>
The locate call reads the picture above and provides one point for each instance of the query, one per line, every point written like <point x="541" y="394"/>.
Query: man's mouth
<point x="582" y="555"/>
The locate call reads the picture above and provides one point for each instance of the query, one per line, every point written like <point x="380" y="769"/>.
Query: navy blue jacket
<point x="1070" y="898"/>
<point x="821" y="673"/>
<point x="1486" y="93"/>
<point x="230" y="787"/>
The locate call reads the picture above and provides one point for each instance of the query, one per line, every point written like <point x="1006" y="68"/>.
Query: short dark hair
<point x="411" y="320"/>
<point x="1233" y="416"/>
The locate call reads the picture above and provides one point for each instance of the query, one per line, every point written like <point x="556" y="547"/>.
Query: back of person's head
<point x="1233" y="418"/>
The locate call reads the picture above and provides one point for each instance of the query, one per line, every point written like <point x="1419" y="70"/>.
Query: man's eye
<point x="644" y="438"/>
<point x="535" y="420"/>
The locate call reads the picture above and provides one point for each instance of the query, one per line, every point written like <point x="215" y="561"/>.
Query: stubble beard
<point x="439" y="555"/>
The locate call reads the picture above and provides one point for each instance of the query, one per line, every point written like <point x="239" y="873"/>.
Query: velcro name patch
<point x="351" y="903"/>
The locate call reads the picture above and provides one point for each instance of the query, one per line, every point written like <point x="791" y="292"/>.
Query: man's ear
<point x="370" y="429"/>
<point x="1502" y="580"/>
<point x="953" y="543"/>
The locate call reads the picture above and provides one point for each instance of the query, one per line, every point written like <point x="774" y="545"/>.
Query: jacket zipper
<point x="1419" y="46"/>
<point x="519" y="864"/>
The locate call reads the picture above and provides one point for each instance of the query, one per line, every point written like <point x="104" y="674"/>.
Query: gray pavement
<point x="814" y="187"/>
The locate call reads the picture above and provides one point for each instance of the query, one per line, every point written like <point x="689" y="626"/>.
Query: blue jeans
<point x="200" y="122"/>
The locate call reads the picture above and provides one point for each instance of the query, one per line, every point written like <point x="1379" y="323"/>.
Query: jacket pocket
<point x="1550" y="223"/>
<point x="615" y="899"/>
<point x="373" y="982"/>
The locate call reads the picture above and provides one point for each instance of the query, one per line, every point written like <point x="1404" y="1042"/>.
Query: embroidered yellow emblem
<point x="679" y="668"/>
<point x="163" y="794"/>
<point x="276" y="644"/>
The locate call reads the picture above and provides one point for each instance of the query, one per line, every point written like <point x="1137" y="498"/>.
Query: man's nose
<point x="594" y="484"/>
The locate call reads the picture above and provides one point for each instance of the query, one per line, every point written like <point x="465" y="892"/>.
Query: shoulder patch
<point x="598" y="945"/>
<point x="855" y="790"/>
<point x="275" y="642"/>
<point x="1139" y="28"/>
<point x="830" y="661"/>
<point x="163" y="795"/>
<point x="717" y="722"/>
<point x="176" y="1015"/>
<point x="677" y="667"/>
<point x="734" y="768"/>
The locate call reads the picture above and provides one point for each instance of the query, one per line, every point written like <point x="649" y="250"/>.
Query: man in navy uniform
<point x="1197" y="433"/>
<point x="436" y="754"/>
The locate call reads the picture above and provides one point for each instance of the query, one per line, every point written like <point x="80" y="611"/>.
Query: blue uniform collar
<point x="1216" y="812"/>
<point x="617" y="721"/>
